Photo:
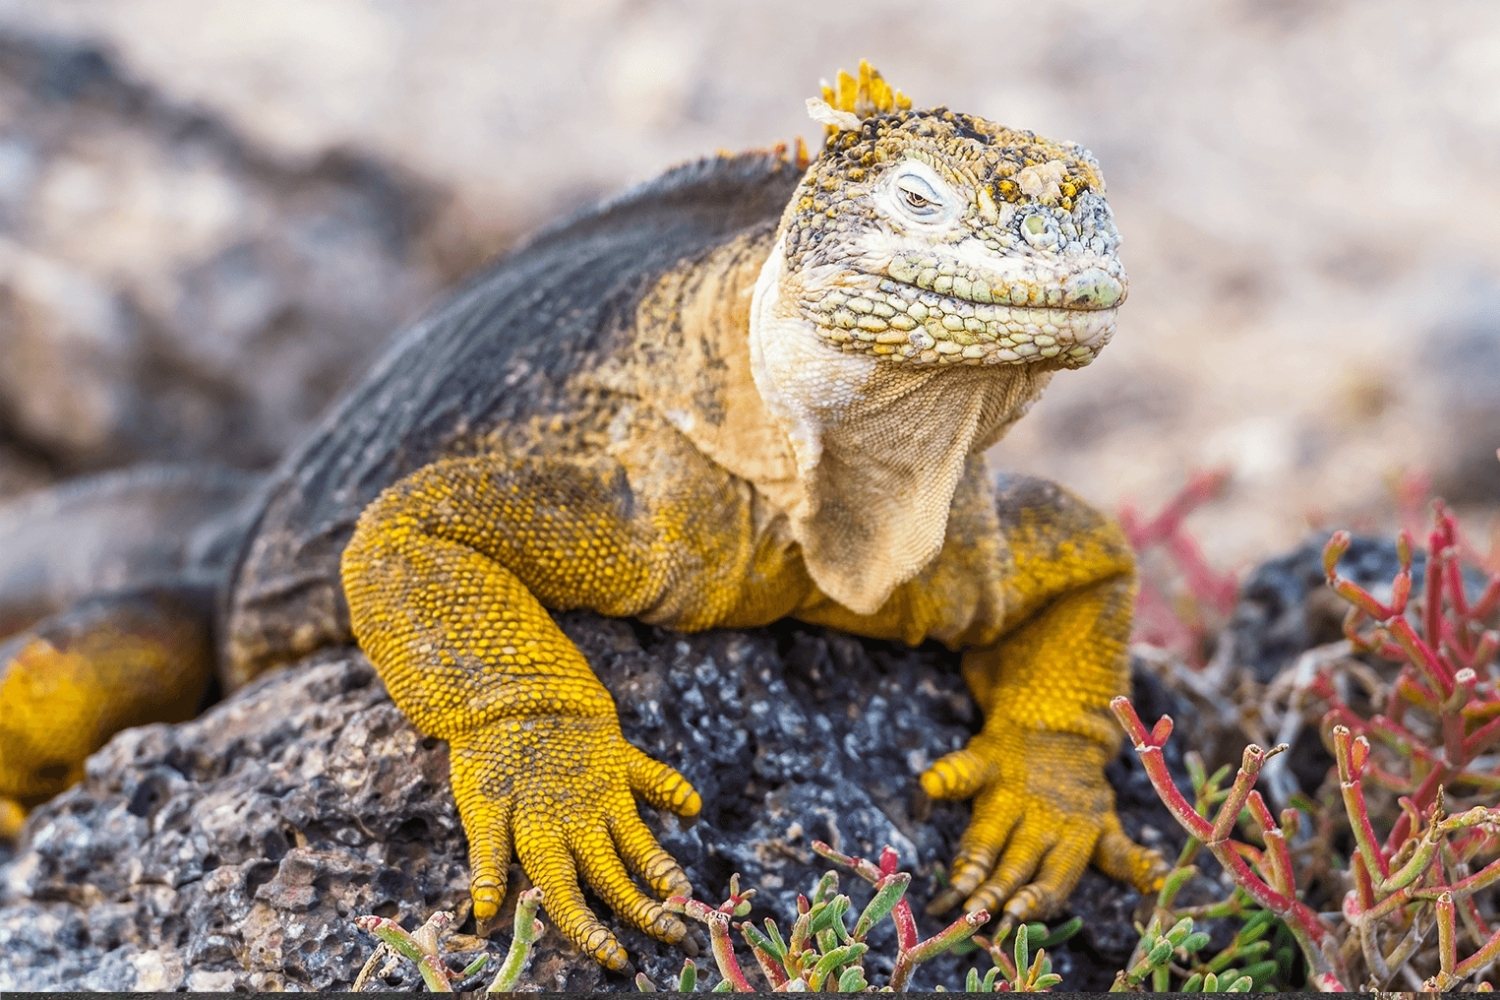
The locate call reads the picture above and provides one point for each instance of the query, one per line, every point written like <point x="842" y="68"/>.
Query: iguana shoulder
<point x="505" y="363"/>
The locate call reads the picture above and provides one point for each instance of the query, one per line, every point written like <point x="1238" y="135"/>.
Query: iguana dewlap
<point x="751" y="389"/>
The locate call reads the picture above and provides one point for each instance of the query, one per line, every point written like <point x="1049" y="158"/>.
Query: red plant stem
<point x="1351" y="754"/>
<point x="1156" y="769"/>
<point x="723" y="949"/>
<point x="1489" y="600"/>
<point x="1221" y="589"/>
<point x="1447" y="934"/>
<point x="1432" y="610"/>
<point x="1422" y="798"/>
<point x="1364" y="887"/>
<point x="769" y="966"/>
<point x="1362" y="599"/>
<point x="906" y="924"/>
<point x="1421" y="654"/>
<point x="1455" y="581"/>
<point x="1481" y="739"/>
<point x="1251" y="762"/>
<point x="1201" y="488"/>
<point x="1469" y="910"/>
<point x="1482" y="879"/>
<point x="1487" y="953"/>
<point x="1410" y="687"/>
<point x="1392" y="733"/>
<point x="1304" y="924"/>
<point x="909" y="958"/>
<point x="1279" y="860"/>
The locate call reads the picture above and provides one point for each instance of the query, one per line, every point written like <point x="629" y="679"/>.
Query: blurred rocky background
<point x="213" y="213"/>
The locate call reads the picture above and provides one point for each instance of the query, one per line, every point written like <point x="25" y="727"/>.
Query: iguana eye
<point x="917" y="197"/>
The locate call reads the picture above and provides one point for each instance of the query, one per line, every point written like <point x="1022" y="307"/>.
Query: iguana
<point x="757" y="387"/>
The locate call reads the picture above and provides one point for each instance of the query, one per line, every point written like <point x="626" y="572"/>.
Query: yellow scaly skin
<point x="67" y="687"/>
<point x="835" y="491"/>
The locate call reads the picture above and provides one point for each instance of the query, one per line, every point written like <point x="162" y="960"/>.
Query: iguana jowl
<point x="754" y="388"/>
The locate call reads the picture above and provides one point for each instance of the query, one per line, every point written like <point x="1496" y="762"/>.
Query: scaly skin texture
<point x="753" y="389"/>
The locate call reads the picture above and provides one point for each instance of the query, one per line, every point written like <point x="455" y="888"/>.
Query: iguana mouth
<point x="962" y="321"/>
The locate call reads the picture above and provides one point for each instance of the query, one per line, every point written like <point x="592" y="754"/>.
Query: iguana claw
<point x="1042" y="811"/>
<point x="560" y="793"/>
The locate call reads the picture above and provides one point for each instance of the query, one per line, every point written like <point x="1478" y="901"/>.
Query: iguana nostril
<point x="1094" y="289"/>
<point x="1040" y="231"/>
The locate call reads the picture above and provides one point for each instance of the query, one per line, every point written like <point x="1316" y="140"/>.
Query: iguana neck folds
<point x="879" y="449"/>
<point x="862" y="459"/>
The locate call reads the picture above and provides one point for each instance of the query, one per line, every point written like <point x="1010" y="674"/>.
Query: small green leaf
<point x="1061" y="933"/>
<point x="1194" y="942"/>
<point x="1023" y="951"/>
<point x="888" y="892"/>
<point x="1260" y="971"/>
<point x="1180" y="931"/>
<point x="831" y="961"/>
<point x="825" y="914"/>
<point x="852" y="980"/>
<point x="773" y="933"/>
<point x="775" y="948"/>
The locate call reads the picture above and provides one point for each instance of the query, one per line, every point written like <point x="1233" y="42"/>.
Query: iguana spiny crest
<point x="935" y="237"/>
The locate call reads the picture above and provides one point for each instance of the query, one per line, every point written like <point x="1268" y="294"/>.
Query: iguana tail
<point x="120" y="531"/>
<point x="107" y="595"/>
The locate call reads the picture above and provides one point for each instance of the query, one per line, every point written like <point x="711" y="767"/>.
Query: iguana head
<point x="930" y="274"/>
<point x="935" y="237"/>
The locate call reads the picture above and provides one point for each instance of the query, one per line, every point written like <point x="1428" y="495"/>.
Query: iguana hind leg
<point x="76" y="678"/>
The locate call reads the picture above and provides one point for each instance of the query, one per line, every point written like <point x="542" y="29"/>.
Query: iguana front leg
<point x="1042" y="807"/>
<point x="449" y="576"/>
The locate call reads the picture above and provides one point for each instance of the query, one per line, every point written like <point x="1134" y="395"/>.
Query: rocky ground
<point x="232" y="852"/>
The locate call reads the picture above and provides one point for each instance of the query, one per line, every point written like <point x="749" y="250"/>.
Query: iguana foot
<point x="560" y="792"/>
<point x="1042" y="811"/>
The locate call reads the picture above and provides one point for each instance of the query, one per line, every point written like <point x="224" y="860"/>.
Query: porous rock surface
<point x="232" y="851"/>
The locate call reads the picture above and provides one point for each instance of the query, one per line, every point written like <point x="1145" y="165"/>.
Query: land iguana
<point x="758" y="387"/>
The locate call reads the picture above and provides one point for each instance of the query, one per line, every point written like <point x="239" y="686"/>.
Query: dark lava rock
<point x="1286" y="606"/>
<point x="231" y="852"/>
